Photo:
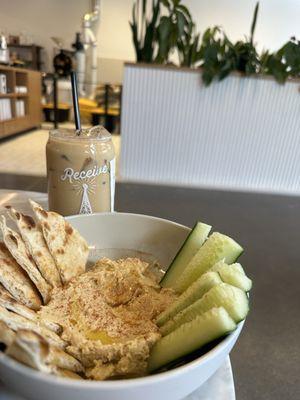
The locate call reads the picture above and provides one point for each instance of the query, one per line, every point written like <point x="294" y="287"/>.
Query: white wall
<point x="43" y="19"/>
<point x="278" y="20"/>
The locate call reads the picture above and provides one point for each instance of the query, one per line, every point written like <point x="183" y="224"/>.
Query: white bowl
<point x="126" y="234"/>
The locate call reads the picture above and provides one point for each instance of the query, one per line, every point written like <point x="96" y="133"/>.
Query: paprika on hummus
<point x="108" y="317"/>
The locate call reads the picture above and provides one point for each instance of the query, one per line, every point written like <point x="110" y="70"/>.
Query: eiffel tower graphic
<point x="85" y="207"/>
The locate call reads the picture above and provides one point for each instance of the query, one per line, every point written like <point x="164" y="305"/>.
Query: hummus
<point x="108" y="315"/>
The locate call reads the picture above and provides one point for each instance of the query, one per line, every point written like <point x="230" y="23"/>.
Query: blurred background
<point x="205" y="83"/>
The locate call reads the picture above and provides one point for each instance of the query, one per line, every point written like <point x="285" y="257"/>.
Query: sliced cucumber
<point x="203" y="329"/>
<point x="187" y="251"/>
<point x="190" y="295"/>
<point x="233" y="299"/>
<point x="217" y="247"/>
<point x="233" y="274"/>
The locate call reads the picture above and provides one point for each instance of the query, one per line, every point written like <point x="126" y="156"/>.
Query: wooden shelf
<point x="23" y="46"/>
<point x="3" y="95"/>
<point x="15" y="119"/>
<point x="14" y="69"/>
<point x="30" y="54"/>
<point x="12" y="95"/>
<point x="32" y="100"/>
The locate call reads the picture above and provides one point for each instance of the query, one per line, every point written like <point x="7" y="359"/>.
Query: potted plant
<point x="234" y="133"/>
<point x="167" y="28"/>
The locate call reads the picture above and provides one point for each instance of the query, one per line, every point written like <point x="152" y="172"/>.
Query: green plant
<point x="247" y="58"/>
<point x="284" y="63"/>
<point x="144" y="30"/>
<point x="214" y="48"/>
<point x="220" y="56"/>
<point x="166" y="27"/>
<point x="189" y="47"/>
<point x="172" y="28"/>
<point x="155" y="36"/>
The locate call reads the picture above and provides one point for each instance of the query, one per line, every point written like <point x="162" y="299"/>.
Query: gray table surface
<point x="266" y="360"/>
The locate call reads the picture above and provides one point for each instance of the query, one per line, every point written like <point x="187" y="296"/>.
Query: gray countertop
<point x="266" y="360"/>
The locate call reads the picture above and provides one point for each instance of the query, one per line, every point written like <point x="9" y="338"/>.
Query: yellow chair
<point x="86" y="106"/>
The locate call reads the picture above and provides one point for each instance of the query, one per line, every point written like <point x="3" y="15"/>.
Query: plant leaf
<point x="144" y="5"/>
<point x="254" y="20"/>
<point x="181" y="23"/>
<point x="164" y="37"/>
<point x="185" y="10"/>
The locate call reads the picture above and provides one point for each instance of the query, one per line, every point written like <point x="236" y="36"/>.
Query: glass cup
<point x="80" y="171"/>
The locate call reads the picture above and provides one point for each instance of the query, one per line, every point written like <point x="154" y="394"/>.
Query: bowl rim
<point x="114" y="213"/>
<point x="121" y="383"/>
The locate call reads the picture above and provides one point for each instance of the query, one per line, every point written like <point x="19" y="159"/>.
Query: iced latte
<point x="80" y="171"/>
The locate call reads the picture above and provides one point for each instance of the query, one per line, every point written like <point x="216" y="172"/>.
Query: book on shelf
<point x="20" y="108"/>
<point x="21" y="89"/>
<point x="5" y="109"/>
<point x="3" y="84"/>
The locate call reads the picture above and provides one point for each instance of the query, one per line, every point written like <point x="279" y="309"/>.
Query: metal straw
<point x="75" y="102"/>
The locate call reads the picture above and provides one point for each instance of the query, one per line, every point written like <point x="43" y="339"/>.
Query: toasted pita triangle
<point x="35" y="243"/>
<point x="7" y="335"/>
<point x="17" y="249"/>
<point x="68" y="248"/>
<point x="8" y="302"/>
<point x="63" y="360"/>
<point x="31" y="349"/>
<point x="16" y="322"/>
<point x="16" y="281"/>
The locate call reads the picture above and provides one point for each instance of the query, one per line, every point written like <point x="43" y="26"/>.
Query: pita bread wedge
<point x="53" y="326"/>
<point x="66" y="374"/>
<point x="35" y="243"/>
<point x="16" y="281"/>
<point x="63" y="360"/>
<point x="17" y="322"/>
<point x="7" y="335"/>
<point x="68" y="248"/>
<point x="8" y="302"/>
<point x="31" y="349"/>
<point x="17" y="249"/>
